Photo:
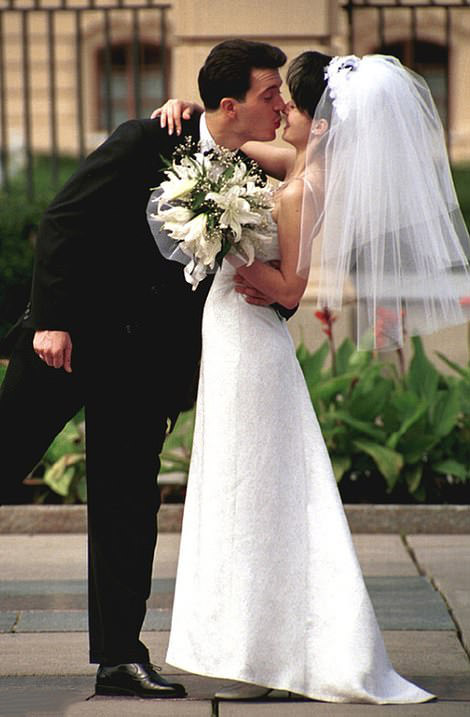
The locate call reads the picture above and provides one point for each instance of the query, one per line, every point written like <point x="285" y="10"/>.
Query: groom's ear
<point x="228" y="106"/>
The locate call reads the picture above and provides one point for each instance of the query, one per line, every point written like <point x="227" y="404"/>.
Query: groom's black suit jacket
<point x="97" y="267"/>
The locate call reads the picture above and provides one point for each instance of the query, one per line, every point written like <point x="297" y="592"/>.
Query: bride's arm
<point x="283" y="285"/>
<point x="173" y="111"/>
<point x="275" y="161"/>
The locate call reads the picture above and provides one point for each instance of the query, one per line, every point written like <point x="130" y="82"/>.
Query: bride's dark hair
<point x="306" y="79"/>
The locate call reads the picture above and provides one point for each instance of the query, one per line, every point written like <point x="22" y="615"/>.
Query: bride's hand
<point x="173" y="111"/>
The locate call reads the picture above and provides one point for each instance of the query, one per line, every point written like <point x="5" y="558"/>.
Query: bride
<point x="269" y="591"/>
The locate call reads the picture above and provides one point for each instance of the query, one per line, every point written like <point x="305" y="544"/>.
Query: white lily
<point x="250" y="241"/>
<point x="176" y="188"/>
<point x="175" y="214"/>
<point x="196" y="228"/>
<point x="238" y="175"/>
<point x="236" y="210"/>
<point x="194" y="272"/>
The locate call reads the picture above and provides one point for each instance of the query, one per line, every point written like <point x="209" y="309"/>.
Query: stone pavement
<point x="419" y="584"/>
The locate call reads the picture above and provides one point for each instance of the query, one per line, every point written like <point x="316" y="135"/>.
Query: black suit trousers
<point x="119" y="379"/>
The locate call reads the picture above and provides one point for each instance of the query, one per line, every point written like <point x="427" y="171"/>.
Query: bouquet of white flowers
<point x="212" y="204"/>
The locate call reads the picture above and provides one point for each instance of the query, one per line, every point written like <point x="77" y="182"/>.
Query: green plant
<point x="62" y="468"/>
<point x="461" y="175"/>
<point x="403" y="435"/>
<point x="19" y="218"/>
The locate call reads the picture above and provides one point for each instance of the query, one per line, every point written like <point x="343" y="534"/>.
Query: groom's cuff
<point x="282" y="311"/>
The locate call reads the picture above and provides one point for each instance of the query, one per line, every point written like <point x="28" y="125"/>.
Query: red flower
<point x="327" y="319"/>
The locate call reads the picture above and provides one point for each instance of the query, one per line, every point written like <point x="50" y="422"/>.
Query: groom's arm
<point x="66" y="241"/>
<point x="255" y="296"/>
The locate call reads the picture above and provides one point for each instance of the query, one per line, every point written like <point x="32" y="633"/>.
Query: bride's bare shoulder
<point x="290" y="192"/>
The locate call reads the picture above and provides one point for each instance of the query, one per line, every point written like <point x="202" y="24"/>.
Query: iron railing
<point x="40" y="40"/>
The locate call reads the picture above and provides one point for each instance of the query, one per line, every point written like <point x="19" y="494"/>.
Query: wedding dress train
<point x="269" y="590"/>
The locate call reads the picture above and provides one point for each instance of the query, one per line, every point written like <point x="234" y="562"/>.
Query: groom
<point x="114" y="327"/>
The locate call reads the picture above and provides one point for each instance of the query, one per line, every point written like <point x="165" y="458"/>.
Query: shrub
<point x="19" y="218"/>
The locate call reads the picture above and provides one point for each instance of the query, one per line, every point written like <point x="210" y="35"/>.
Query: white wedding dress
<point x="269" y="590"/>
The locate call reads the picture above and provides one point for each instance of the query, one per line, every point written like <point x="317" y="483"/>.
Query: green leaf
<point x="343" y="356"/>
<point x="412" y="476"/>
<point x="415" y="415"/>
<point x="59" y="477"/>
<point x="464" y="372"/>
<point x="387" y="461"/>
<point x="362" y="426"/>
<point x="171" y="463"/>
<point x="81" y="489"/>
<point x="451" y="467"/>
<point x="340" y="465"/>
<point x="368" y="404"/>
<point x="417" y="445"/>
<point x="360" y="359"/>
<point x="330" y="388"/>
<point x="401" y="406"/>
<point x="420" y="493"/>
<point x="423" y="378"/>
<point x="67" y="441"/>
<point x="445" y="411"/>
<point x="302" y="353"/>
<point x="312" y="363"/>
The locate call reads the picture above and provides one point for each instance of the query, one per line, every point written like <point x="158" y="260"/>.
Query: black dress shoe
<point x="137" y="679"/>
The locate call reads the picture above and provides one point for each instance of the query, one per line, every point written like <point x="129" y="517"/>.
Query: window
<point x="127" y="88"/>
<point x="432" y="62"/>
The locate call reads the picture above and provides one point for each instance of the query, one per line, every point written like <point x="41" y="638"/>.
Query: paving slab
<point x="55" y="557"/>
<point x="446" y="560"/>
<point x="408" y="603"/>
<point x="383" y="555"/>
<point x="128" y="707"/>
<point x="312" y="709"/>
<point x="427" y="654"/>
<point x="64" y="556"/>
<point x="7" y="621"/>
<point x="62" y="653"/>
<point x="73" y="621"/>
<point x="401" y="603"/>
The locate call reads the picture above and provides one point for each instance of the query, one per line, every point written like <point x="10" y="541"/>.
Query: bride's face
<point x="297" y="126"/>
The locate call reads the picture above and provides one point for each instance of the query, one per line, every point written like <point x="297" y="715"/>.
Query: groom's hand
<point x="251" y="294"/>
<point x="54" y="348"/>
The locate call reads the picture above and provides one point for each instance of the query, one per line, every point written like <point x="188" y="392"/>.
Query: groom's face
<point x="259" y="114"/>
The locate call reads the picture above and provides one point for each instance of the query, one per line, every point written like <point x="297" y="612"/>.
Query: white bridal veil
<point x="379" y="197"/>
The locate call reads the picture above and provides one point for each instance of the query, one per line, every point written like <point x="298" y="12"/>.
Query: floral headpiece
<point x="337" y="74"/>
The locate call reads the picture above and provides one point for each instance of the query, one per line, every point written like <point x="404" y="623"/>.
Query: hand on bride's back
<point x="251" y="294"/>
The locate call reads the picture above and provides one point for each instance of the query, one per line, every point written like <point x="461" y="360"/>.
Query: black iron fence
<point x="70" y="71"/>
<point x="419" y="32"/>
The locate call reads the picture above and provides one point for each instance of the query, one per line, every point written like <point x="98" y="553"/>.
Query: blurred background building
<point x="72" y="70"/>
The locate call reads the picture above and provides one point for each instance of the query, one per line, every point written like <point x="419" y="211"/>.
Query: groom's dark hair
<point x="306" y="79"/>
<point x="227" y="69"/>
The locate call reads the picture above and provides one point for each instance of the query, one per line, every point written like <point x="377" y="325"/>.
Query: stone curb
<point x="407" y="519"/>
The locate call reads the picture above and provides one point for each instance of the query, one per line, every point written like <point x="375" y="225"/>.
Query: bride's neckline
<point x="283" y="184"/>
